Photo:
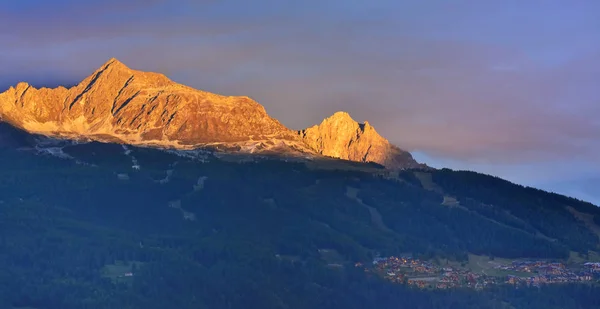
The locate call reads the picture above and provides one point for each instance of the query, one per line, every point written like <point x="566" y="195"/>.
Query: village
<point x="423" y="274"/>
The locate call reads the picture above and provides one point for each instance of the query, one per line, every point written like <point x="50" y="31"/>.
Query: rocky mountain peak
<point x="120" y="104"/>
<point x="114" y="72"/>
<point x="115" y="63"/>
<point x="342" y="121"/>
<point x="339" y="116"/>
<point x="340" y="136"/>
<point x="21" y="86"/>
<point x="113" y="68"/>
<point x="117" y="103"/>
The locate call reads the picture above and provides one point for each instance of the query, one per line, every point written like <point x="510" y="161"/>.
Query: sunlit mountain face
<point x="118" y="104"/>
<point x="299" y="154"/>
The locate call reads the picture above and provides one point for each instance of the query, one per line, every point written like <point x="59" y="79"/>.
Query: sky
<point x="503" y="87"/>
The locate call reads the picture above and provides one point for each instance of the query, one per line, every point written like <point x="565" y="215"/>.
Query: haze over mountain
<point x="449" y="80"/>
<point x="118" y="104"/>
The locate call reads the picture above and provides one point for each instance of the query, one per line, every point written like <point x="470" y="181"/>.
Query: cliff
<point x="138" y="107"/>
<point x="118" y="104"/>
<point x="339" y="136"/>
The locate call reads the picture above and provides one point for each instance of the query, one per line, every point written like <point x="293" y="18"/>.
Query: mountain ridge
<point x="128" y="227"/>
<point x="119" y="104"/>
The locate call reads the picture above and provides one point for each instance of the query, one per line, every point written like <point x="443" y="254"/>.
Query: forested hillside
<point x="108" y="226"/>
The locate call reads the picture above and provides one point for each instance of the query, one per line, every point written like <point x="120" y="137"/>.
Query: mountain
<point x="103" y="225"/>
<point x="138" y="107"/>
<point x="122" y="105"/>
<point x="339" y="136"/>
<point x="100" y="209"/>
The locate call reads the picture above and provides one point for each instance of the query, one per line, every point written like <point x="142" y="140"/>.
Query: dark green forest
<point x="222" y="234"/>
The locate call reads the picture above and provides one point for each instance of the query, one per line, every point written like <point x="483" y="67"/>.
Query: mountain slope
<point x="339" y="136"/>
<point x="122" y="105"/>
<point x="200" y="232"/>
<point x="138" y="107"/>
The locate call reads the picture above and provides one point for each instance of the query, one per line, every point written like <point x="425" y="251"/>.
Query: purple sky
<point x="510" y="88"/>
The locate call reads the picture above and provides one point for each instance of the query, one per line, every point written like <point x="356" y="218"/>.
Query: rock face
<point x="138" y="107"/>
<point x="118" y="104"/>
<point x="339" y="136"/>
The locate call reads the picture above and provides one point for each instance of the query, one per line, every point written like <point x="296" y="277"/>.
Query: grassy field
<point x="587" y="219"/>
<point x="118" y="270"/>
<point x="576" y="259"/>
<point x="483" y="264"/>
<point x="427" y="182"/>
<point x="450" y="201"/>
<point x="332" y="256"/>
